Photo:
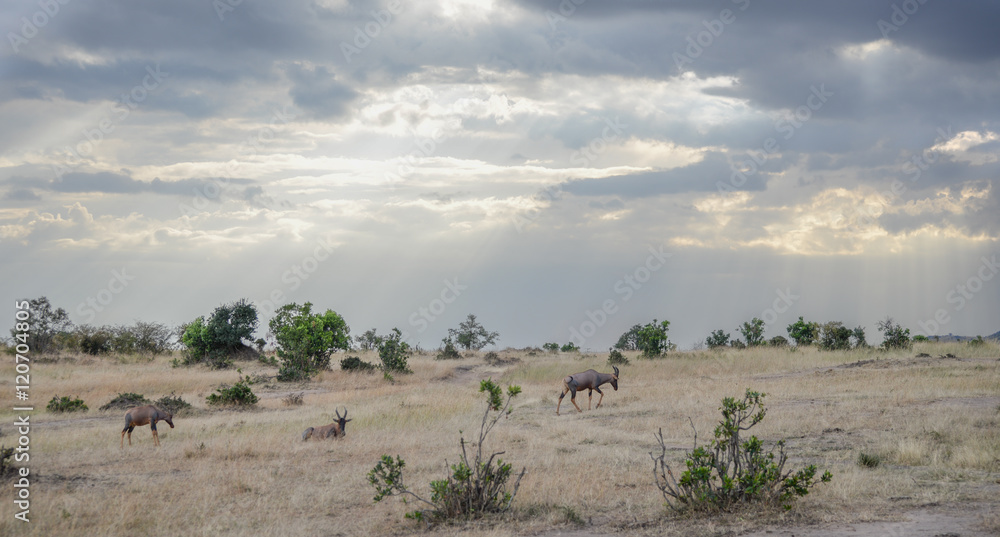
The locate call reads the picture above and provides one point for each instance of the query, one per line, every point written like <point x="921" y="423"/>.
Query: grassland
<point x="932" y="422"/>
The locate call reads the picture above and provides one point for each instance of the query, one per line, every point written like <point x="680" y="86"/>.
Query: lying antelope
<point x="337" y="428"/>
<point x="145" y="415"/>
<point x="589" y="380"/>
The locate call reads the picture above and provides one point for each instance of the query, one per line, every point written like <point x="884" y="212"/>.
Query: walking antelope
<point x="589" y="380"/>
<point x="145" y="415"/>
<point x="337" y="428"/>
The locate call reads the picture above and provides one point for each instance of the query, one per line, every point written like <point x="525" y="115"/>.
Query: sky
<point x="561" y="169"/>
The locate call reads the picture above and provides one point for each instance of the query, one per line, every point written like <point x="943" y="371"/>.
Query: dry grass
<point x="933" y="422"/>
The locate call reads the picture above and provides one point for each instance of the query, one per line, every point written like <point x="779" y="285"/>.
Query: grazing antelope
<point x="145" y="415"/>
<point x="589" y="380"/>
<point x="337" y="428"/>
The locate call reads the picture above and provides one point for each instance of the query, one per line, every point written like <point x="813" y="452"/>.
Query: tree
<point x="859" y="338"/>
<point x="895" y="336"/>
<point x="218" y="339"/>
<point x="717" y="339"/>
<point x="629" y="341"/>
<point x="393" y="352"/>
<point x="802" y="332"/>
<point x="45" y="324"/>
<point x="306" y="340"/>
<point x="753" y="332"/>
<point x="652" y="339"/>
<point x="835" y="336"/>
<point x="368" y="340"/>
<point x="471" y="335"/>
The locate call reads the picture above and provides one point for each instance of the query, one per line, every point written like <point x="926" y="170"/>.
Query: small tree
<point x="835" y="336"/>
<point x="895" y="336"/>
<point x="367" y="341"/>
<point x="448" y="350"/>
<point x="551" y="347"/>
<point x="216" y="340"/>
<point x="306" y="340"/>
<point x="615" y="357"/>
<point x="475" y="487"/>
<point x="859" y="338"/>
<point x="803" y="333"/>
<point x="753" y="332"/>
<point x="570" y="347"/>
<point x="393" y="352"/>
<point x="717" y="339"/>
<point x="730" y="471"/>
<point x="45" y="325"/>
<point x="778" y="341"/>
<point x="471" y="335"/>
<point x="629" y="341"/>
<point x="652" y="339"/>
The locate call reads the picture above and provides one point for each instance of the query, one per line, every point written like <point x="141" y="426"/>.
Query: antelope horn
<point x="616" y="369"/>
<point x="339" y="417"/>
<point x="345" y="412"/>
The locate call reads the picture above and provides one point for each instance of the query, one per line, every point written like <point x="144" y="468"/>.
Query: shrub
<point x="859" y="338"/>
<point x="731" y="472"/>
<point x="65" y="404"/>
<point x="471" y="335"/>
<point x="570" y="347"/>
<point x="977" y="342"/>
<point x="367" y="341"/>
<point x="894" y="335"/>
<point x="238" y="394"/>
<point x="551" y="347"/>
<point x="737" y="344"/>
<point x="869" y="460"/>
<point x="615" y="357"/>
<point x="173" y="404"/>
<point x="803" y="333"/>
<point x="393" y="352"/>
<point x="835" y="336"/>
<point x="448" y="350"/>
<point x="306" y="340"/>
<point x="354" y="363"/>
<point x="753" y="332"/>
<point x="293" y="399"/>
<point x="94" y="341"/>
<point x="474" y="488"/>
<point x="778" y="341"/>
<point x="125" y="401"/>
<point x="718" y="338"/>
<point x="629" y="341"/>
<point x="7" y="467"/>
<point x="653" y="341"/>
<point x="220" y="338"/>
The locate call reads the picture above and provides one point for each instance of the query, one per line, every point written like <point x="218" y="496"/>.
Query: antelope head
<point x="169" y="419"/>
<point x="342" y="420"/>
<point x="614" y="379"/>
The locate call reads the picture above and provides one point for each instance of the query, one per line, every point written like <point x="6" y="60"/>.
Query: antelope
<point x="337" y="428"/>
<point x="589" y="380"/>
<point x="145" y="415"/>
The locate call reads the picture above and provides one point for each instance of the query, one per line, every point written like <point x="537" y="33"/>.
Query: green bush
<point x="475" y="487"/>
<point x="615" y="357"/>
<point x="753" y="332"/>
<point x="859" y="338"/>
<point x="653" y="341"/>
<point x="551" y="347"/>
<point x="471" y="335"/>
<point x="718" y="338"/>
<point x="894" y="335"/>
<point x="629" y="341"/>
<point x="803" y="333"/>
<point x="306" y="340"/>
<point x="173" y="404"/>
<point x="218" y="340"/>
<point x="778" y="341"/>
<point x="238" y="394"/>
<point x="570" y="347"/>
<point x="47" y="328"/>
<point x="834" y="336"/>
<point x="394" y="352"/>
<point x="65" y="404"/>
<point x="448" y="350"/>
<point x="125" y="401"/>
<point x="731" y="472"/>
<point x="978" y="342"/>
<point x="354" y="363"/>
<point x="869" y="460"/>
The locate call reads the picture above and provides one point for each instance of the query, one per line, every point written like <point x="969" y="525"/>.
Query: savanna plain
<point x="929" y="415"/>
